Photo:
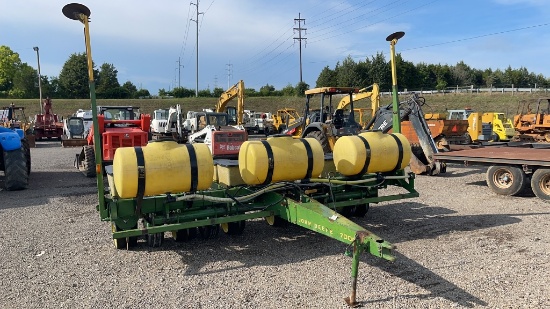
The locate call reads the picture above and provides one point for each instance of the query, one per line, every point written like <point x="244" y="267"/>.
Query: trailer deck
<point x="498" y="155"/>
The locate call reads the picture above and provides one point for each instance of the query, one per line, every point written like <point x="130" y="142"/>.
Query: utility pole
<point x="229" y="73"/>
<point x="197" y="47"/>
<point x="215" y="81"/>
<point x="179" y="71"/>
<point x="39" y="78"/>
<point x="300" y="38"/>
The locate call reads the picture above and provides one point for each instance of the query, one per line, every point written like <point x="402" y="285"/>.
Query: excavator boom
<point x="236" y="91"/>
<point x="373" y="95"/>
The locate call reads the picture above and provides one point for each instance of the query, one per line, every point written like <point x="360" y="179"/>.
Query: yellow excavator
<point x="373" y="95"/>
<point x="235" y="114"/>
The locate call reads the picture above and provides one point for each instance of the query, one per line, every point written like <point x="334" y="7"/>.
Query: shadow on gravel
<point x="437" y="286"/>
<point x="408" y="221"/>
<point x="411" y="221"/>
<point x="259" y="245"/>
<point x="44" y="185"/>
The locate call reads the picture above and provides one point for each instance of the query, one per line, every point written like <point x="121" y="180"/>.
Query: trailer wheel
<point x="233" y="228"/>
<point x="184" y="235"/>
<point x="540" y="183"/>
<point x="88" y="161"/>
<point x="506" y="180"/>
<point x="155" y="240"/>
<point x="322" y="138"/>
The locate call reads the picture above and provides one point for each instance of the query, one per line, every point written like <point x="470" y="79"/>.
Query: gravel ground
<point x="458" y="246"/>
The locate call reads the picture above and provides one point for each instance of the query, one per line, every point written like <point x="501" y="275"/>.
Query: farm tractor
<point x="15" y="158"/>
<point x="532" y="121"/>
<point x="119" y="126"/>
<point x="169" y="188"/>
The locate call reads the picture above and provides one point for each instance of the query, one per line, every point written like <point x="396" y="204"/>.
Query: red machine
<point x="47" y="125"/>
<point x="119" y="126"/>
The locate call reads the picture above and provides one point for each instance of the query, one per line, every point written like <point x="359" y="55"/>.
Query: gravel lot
<point x="458" y="246"/>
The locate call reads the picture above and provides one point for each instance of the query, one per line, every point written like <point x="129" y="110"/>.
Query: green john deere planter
<point x="166" y="187"/>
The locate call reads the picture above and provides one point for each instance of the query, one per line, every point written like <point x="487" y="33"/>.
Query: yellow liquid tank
<point x="280" y="158"/>
<point x="166" y="167"/>
<point x="371" y="152"/>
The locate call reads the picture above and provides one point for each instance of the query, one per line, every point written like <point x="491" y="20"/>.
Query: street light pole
<point x="81" y="13"/>
<point x="39" y="79"/>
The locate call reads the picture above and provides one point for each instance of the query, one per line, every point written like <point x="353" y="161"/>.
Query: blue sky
<point x="253" y="40"/>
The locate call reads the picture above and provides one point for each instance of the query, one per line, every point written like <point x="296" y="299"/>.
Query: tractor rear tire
<point x="506" y="180"/>
<point x="540" y="183"/>
<point x="27" y="150"/>
<point x="322" y="138"/>
<point x="88" y="162"/>
<point x="15" y="170"/>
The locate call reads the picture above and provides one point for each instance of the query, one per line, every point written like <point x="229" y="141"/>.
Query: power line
<point x="479" y="36"/>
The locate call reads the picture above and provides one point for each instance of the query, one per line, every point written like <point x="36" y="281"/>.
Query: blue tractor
<point x="15" y="158"/>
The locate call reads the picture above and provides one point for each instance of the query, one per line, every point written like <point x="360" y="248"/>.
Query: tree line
<point x="424" y="76"/>
<point x="19" y="80"/>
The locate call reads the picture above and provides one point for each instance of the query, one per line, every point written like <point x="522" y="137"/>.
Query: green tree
<point x="217" y="92"/>
<point x="346" y="74"/>
<point x="379" y="70"/>
<point x="205" y="93"/>
<point x="250" y="92"/>
<point x="107" y="85"/>
<point x="461" y="74"/>
<point x="326" y="78"/>
<point x="143" y="93"/>
<point x="301" y="88"/>
<point x="407" y="75"/>
<point x="182" y="92"/>
<point x="267" y="90"/>
<point x="9" y="63"/>
<point x="73" y="79"/>
<point x="25" y="83"/>
<point x="130" y="89"/>
<point x="288" y="90"/>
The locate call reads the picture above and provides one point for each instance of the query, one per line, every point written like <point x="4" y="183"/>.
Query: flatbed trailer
<point x="512" y="167"/>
